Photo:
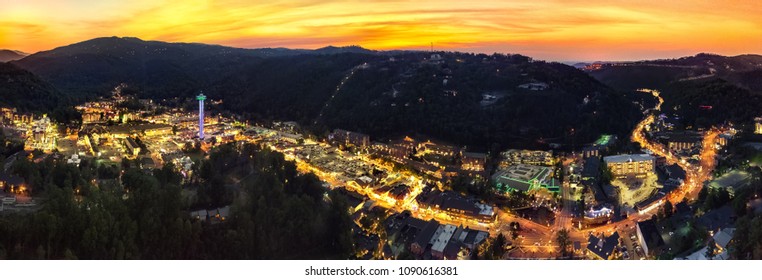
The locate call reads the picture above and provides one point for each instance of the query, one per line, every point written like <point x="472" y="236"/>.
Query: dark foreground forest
<point x="120" y="212"/>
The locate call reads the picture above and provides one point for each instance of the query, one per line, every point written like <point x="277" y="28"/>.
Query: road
<point x="564" y="217"/>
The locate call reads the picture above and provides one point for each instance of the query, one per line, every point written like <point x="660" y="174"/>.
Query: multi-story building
<point x="649" y="237"/>
<point x="131" y="147"/>
<point x="758" y="125"/>
<point x="397" y="151"/>
<point x="681" y="141"/>
<point x="512" y="157"/>
<point x="473" y="161"/>
<point x="636" y="165"/>
<point x="429" y="147"/>
<point x="349" y="138"/>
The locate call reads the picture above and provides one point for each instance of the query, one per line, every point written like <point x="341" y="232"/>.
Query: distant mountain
<point x="730" y="86"/>
<point x="348" y="49"/>
<point x="9" y="55"/>
<point x="478" y="100"/>
<point x="739" y="70"/>
<point x="578" y="65"/>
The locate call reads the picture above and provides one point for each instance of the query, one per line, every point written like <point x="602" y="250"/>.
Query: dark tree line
<point x="277" y="214"/>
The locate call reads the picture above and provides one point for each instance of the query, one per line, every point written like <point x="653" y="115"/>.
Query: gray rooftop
<point x="627" y="158"/>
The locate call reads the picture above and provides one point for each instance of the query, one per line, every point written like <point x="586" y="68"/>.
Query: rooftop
<point x="628" y="158"/>
<point x="474" y="155"/>
<point x="442" y="237"/>
<point x="603" y="247"/>
<point x="523" y="177"/>
<point x="650" y="233"/>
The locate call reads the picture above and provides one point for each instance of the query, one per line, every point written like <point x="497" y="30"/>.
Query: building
<point x="128" y="130"/>
<point x="74" y="159"/>
<point x="603" y="248"/>
<point x="758" y="125"/>
<point x="423" y="238"/>
<point x="349" y="138"/>
<point x="591" y="151"/>
<point x="430" y="239"/>
<point x="214" y="216"/>
<point x="131" y="147"/>
<point x="649" y="237"/>
<point x="599" y="214"/>
<point x="147" y="163"/>
<point x="523" y="177"/>
<point x="397" y="152"/>
<point x="512" y="157"/>
<point x="11" y="183"/>
<point x="600" y="145"/>
<point x="42" y="135"/>
<point x="92" y="117"/>
<point x="429" y="147"/>
<point x="681" y="141"/>
<point x="637" y="165"/>
<point x="456" y="206"/>
<point x="731" y="181"/>
<point x="291" y="138"/>
<point x="440" y="239"/>
<point x="721" y="239"/>
<point x="473" y="161"/>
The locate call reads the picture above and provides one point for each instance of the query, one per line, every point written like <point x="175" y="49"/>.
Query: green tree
<point x="710" y="249"/>
<point x="498" y="247"/>
<point x="668" y="209"/>
<point x="563" y="242"/>
<point x="606" y="175"/>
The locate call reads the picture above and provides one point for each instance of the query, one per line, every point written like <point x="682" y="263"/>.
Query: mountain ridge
<point x="10" y="55"/>
<point x="704" y="89"/>
<point x="469" y="99"/>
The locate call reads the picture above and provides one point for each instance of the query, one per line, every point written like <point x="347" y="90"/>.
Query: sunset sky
<point x="563" y="30"/>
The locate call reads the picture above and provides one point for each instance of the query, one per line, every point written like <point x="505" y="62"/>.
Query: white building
<point x="721" y="240"/>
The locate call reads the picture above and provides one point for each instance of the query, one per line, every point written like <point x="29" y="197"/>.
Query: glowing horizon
<point x="572" y="30"/>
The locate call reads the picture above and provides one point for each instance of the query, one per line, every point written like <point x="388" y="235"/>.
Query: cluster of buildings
<point x="330" y="161"/>
<point x="115" y="108"/>
<point x="430" y="239"/>
<point x="213" y="216"/>
<point x="12" y="116"/>
<point x="649" y="239"/>
<point x="720" y="250"/>
<point x="529" y="157"/>
<point x="37" y="131"/>
<point x="455" y="206"/>
<point x="123" y="127"/>
<point x="349" y="139"/>
<point x="439" y="161"/>
<point x="682" y="143"/>
<point x="646" y="241"/>
<point x="42" y="134"/>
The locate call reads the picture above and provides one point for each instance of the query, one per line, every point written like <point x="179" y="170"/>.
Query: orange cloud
<point x="547" y="29"/>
